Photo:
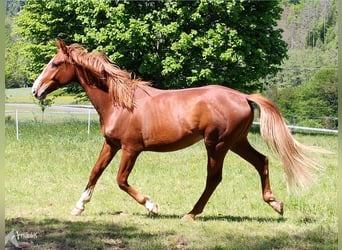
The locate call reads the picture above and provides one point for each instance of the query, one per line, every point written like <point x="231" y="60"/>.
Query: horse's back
<point x="182" y="117"/>
<point x="213" y="101"/>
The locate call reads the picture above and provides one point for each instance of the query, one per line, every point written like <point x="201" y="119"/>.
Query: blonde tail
<point x="299" y="168"/>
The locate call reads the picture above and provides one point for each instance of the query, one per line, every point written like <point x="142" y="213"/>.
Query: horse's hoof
<point x="76" y="211"/>
<point x="188" y="217"/>
<point x="154" y="209"/>
<point x="278" y="206"/>
<point x="151" y="207"/>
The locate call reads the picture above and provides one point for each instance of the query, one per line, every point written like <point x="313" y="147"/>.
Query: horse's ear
<point x="61" y="45"/>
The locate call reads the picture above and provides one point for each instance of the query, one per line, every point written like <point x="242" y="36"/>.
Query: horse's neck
<point x="100" y="98"/>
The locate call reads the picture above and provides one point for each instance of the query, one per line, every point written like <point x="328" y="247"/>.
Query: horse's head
<point x="59" y="72"/>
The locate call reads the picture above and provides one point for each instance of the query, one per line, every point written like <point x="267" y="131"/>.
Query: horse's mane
<point x="120" y="83"/>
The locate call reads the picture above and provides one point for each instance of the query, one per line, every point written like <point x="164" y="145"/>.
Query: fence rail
<point x="32" y="113"/>
<point x="294" y="128"/>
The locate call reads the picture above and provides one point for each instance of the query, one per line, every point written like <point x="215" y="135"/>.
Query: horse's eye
<point x="55" y="65"/>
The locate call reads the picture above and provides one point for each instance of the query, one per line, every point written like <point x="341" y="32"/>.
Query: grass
<point x="47" y="169"/>
<point x="19" y="95"/>
<point x="24" y="95"/>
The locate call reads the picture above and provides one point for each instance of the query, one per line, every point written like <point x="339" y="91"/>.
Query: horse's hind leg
<point x="106" y="155"/>
<point x="260" y="162"/>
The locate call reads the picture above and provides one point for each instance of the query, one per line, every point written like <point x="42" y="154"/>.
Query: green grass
<point x="19" y="95"/>
<point x="47" y="169"/>
<point x="24" y="95"/>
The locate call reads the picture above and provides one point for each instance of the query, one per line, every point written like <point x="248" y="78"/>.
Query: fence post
<point x="88" y="122"/>
<point x="17" y="124"/>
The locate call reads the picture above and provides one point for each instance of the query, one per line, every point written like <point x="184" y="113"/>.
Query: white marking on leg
<point x="151" y="207"/>
<point x="85" y="198"/>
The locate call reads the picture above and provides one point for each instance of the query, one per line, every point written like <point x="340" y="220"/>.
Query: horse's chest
<point x="121" y="130"/>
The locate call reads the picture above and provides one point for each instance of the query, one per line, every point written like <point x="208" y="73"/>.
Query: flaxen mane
<point x="120" y="83"/>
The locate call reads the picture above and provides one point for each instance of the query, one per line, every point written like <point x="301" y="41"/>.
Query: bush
<point x="315" y="98"/>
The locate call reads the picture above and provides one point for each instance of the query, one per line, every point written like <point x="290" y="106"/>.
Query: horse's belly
<point x="166" y="142"/>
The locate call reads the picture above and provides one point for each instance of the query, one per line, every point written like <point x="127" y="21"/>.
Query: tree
<point x="313" y="103"/>
<point x="310" y="23"/>
<point x="311" y="32"/>
<point x="45" y="103"/>
<point x="175" y="44"/>
<point x="36" y="26"/>
<point x="15" y="74"/>
<point x="14" y="6"/>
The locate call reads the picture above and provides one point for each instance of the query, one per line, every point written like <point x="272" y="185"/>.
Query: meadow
<point x="24" y="95"/>
<point x="48" y="168"/>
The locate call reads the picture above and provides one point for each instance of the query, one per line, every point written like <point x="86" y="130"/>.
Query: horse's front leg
<point x="214" y="177"/>
<point x="106" y="155"/>
<point x="128" y="159"/>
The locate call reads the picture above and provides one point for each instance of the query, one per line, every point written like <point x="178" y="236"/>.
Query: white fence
<point x="294" y="128"/>
<point x="32" y="113"/>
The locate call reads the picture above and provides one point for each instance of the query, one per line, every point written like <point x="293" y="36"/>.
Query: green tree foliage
<point x="306" y="86"/>
<point x="313" y="103"/>
<point x="301" y="65"/>
<point x="310" y="23"/>
<point x="15" y="74"/>
<point x="175" y="44"/>
<point x="35" y="26"/>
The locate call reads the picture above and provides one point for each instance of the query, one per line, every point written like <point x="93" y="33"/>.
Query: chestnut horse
<point x="136" y="117"/>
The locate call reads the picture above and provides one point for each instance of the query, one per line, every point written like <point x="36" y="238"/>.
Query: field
<point x="24" y="95"/>
<point x="47" y="169"/>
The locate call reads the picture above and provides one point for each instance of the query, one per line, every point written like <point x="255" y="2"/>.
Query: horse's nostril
<point x="34" y="93"/>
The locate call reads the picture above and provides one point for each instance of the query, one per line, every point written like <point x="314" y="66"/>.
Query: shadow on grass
<point x="56" y="234"/>
<point x="228" y="218"/>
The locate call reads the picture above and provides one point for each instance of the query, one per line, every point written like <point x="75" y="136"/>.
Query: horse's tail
<point x="299" y="168"/>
